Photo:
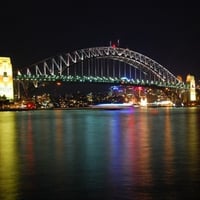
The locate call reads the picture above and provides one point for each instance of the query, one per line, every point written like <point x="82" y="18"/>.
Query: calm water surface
<point x="100" y="154"/>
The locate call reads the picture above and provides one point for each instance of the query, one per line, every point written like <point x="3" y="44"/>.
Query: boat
<point x="165" y="103"/>
<point x="112" y="106"/>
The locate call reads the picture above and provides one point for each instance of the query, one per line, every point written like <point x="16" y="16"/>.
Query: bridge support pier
<point x="19" y="87"/>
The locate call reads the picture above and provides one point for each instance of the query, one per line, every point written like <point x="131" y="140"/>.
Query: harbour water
<point x="131" y="153"/>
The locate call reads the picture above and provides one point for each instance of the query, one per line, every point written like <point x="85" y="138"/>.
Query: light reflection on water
<point x="9" y="166"/>
<point x="98" y="154"/>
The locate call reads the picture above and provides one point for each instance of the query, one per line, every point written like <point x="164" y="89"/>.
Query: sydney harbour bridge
<point x="113" y="65"/>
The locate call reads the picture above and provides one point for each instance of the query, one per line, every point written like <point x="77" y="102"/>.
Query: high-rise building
<point x="6" y="78"/>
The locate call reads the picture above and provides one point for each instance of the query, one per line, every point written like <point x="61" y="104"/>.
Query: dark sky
<point x="167" y="33"/>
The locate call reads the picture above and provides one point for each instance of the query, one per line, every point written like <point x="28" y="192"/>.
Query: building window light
<point x="5" y="77"/>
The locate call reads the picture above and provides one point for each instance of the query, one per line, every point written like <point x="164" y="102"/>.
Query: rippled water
<point x="100" y="154"/>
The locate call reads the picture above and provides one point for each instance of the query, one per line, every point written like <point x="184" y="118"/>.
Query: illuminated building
<point x="6" y="78"/>
<point x="191" y="81"/>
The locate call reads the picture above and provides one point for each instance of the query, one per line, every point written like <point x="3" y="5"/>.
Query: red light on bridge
<point x="113" y="45"/>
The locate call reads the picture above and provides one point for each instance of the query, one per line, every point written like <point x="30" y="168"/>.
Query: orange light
<point x="58" y="83"/>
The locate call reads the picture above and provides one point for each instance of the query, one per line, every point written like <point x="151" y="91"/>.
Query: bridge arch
<point x="101" y="64"/>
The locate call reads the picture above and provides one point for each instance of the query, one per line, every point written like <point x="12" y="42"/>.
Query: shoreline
<point x="93" y="108"/>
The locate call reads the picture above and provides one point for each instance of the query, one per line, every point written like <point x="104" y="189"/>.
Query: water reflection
<point x="168" y="149"/>
<point x="28" y="153"/>
<point x="125" y="154"/>
<point x="130" y="155"/>
<point x="193" y="146"/>
<point x="9" y="169"/>
<point x="59" y="135"/>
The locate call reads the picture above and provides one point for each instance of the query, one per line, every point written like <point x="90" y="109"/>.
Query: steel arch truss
<point x="104" y="64"/>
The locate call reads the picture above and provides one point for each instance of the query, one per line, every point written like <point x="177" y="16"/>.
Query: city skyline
<point x="169" y="34"/>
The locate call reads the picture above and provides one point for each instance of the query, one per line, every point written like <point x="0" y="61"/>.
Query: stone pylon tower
<point x="190" y="80"/>
<point x="6" y="78"/>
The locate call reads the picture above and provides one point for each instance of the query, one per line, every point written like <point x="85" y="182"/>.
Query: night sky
<point x="167" y="33"/>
